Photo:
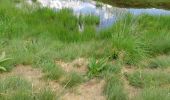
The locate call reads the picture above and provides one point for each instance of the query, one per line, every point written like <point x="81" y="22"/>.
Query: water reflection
<point x="108" y="14"/>
<point x="152" y="11"/>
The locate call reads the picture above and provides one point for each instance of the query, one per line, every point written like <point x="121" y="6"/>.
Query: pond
<point x="108" y="14"/>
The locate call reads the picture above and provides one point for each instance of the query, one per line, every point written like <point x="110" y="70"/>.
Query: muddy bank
<point x="164" y="4"/>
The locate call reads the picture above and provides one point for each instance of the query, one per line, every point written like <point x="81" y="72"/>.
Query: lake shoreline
<point x="138" y="4"/>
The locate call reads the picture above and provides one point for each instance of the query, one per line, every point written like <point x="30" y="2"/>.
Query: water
<point x="107" y="13"/>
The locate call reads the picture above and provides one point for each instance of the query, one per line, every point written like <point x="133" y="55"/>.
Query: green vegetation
<point x="159" y="62"/>
<point x="2" y="60"/>
<point x="114" y="89"/>
<point x="14" y="88"/>
<point x="151" y="79"/>
<point x="72" y="79"/>
<point x="154" y="94"/>
<point x="39" y="37"/>
<point x="46" y="94"/>
<point x="89" y="19"/>
<point x="134" y="39"/>
<point x="96" y="67"/>
<point x="52" y="70"/>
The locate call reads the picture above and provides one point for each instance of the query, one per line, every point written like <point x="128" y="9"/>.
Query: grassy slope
<point x="39" y="36"/>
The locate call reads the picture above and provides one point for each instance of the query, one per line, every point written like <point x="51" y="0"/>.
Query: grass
<point x="39" y="36"/>
<point x="36" y="38"/>
<point x="96" y="67"/>
<point x="2" y="60"/>
<point x="52" y="70"/>
<point x="114" y="89"/>
<point x="144" y="79"/>
<point x="46" y="94"/>
<point x="14" y="88"/>
<point x="154" y="94"/>
<point x="133" y="39"/>
<point x="159" y="62"/>
<point x="89" y="19"/>
<point x="73" y="79"/>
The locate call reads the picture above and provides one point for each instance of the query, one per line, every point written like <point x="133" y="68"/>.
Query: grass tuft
<point x="114" y="89"/>
<point x="144" y="79"/>
<point x="72" y="79"/>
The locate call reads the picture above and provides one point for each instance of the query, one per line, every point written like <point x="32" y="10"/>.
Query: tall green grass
<point x="132" y="38"/>
<point x="137" y="37"/>
<point x="61" y="25"/>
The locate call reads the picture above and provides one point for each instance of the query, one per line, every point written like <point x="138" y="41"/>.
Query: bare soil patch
<point x="78" y="65"/>
<point x="34" y="76"/>
<point x="91" y="90"/>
